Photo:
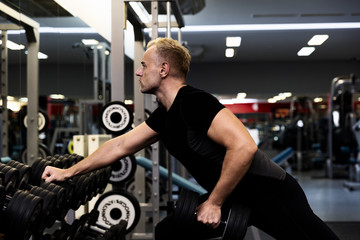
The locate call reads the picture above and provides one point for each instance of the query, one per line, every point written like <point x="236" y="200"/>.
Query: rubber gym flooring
<point x="331" y="201"/>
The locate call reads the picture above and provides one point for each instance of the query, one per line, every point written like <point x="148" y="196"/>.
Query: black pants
<point x="279" y="208"/>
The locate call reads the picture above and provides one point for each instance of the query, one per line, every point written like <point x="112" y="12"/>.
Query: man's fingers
<point x="46" y="173"/>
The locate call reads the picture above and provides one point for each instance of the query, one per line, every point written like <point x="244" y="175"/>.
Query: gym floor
<point x="331" y="201"/>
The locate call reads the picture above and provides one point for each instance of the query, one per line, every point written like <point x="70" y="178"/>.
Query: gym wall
<point x="301" y="78"/>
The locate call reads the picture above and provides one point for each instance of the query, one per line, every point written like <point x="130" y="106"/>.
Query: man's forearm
<point x="103" y="156"/>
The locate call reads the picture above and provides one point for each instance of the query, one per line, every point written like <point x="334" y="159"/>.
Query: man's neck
<point x="167" y="94"/>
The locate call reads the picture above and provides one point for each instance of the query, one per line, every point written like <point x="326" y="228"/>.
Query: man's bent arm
<point x="228" y="131"/>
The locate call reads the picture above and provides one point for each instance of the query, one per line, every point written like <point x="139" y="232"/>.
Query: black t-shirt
<point x="183" y="130"/>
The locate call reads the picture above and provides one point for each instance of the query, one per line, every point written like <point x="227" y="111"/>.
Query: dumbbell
<point x="10" y="176"/>
<point x="235" y="226"/>
<point x="89" y="185"/>
<point x="49" y="198"/>
<point x="2" y="178"/>
<point x="92" y="230"/>
<point x="19" y="214"/>
<point x="38" y="168"/>
<point x="24" y="171"/>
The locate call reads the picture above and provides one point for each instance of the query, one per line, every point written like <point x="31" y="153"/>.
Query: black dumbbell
<point x="24" y="171"/>
<point x="38" y="168"/>
<point x="19" y="214"/>
<point x="61" y="202"/>
<point x="235" y="226"/>
<point x="49" y="198"/>
<point x="2" y="178"/>
<point x="11" y="176"/>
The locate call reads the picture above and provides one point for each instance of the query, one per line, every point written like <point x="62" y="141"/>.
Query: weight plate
<point x="185" y="207"/>
<point x="123" y="170"/>
<point x="70" y="146"/>
<point x="116" y="117"/>
<point x="2" y="178"/>
<point x="118" y="205"/>
<point x="43" y="121"/>
<point x="43" y="152"/>
<point x="237" y="223"/>
<point x="2" y="196"/>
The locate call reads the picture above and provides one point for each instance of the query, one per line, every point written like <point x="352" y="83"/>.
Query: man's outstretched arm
<point x="106" y="154"/>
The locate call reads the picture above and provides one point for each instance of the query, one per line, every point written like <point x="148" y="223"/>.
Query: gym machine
<point x="342" y="144"/>
<point x="21" y="21"/>
<point x="354" y="169"/>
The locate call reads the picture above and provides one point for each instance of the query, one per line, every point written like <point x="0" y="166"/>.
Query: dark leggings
<point x="279" y="208"/>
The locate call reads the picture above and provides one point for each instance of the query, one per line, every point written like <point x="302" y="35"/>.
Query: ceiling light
<point x="241" y="95"/>
<point x="57" y="96"/>
<point x="317" y="40"/>
<point x="229" y="52"/>
<point x="305" y="51"/>
<point x="23" y="99"/>
<point x="271" y="100"/>
<point x="318" y="99"/>
<point x="13" y="46"/>
<point x="233" y="41"/>
<point x="90" y="42"/>
<point x="140" y="11"/>
<point x="40" y="55"/>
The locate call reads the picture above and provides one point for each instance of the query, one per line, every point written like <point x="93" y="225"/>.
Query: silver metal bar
<point x="168" y="15"/>
<point x="96" y="72"/>
<point x="139" y="106"/>
<point x="117" y="50"/>
<point x="18" y="17"/>
<point x="33" y="97"/>
<point x="4" y="94"/>
<point x="179" y="35"/>
<point x="155" y="146"/>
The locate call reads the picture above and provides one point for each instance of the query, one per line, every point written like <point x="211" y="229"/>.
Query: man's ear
<point x="164" y="71"/>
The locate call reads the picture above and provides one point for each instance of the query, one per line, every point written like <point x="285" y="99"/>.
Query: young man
<point x="216" y="149"/>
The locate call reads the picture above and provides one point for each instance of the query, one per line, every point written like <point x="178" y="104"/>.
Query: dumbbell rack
<point x="29" y="205"/>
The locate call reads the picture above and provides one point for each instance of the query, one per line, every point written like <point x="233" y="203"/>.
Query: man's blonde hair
<point x="174" y="53"/>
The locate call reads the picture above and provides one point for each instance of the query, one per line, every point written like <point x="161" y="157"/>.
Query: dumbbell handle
<point x="221" y="221"/>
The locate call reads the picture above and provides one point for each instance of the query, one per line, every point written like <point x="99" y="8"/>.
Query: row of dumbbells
<point x="85" y="228"/>
<point x="28" y="205"/>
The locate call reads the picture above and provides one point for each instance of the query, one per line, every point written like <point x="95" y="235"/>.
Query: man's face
<point x="149" y="71"/>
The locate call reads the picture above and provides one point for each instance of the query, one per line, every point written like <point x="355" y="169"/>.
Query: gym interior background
<point x="266" y="64"/>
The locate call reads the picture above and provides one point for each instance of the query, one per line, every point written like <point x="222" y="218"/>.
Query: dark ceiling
<point x="209" y="46"/>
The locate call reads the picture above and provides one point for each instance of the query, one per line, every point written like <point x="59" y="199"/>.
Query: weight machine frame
<point x="117" y="92"/>
<point x="31" y="27"/>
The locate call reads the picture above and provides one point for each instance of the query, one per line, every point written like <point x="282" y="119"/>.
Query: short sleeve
<point x="199" y="109"/>
<point x="156" y="118"/>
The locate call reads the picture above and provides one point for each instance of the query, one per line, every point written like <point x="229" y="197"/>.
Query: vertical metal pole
<point x="155" y="146"/>
<point x="168" y="157"/>
<point x="117" y="50"/>
<point x="103" y="72"/>
<point x="96" y="73"/>
<point x="140" y="184"/>
<point x="4" y="94"/>
<point x="179" y="36"/>
<point x="168" y="15"/>
<point x="33" y="98"/>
